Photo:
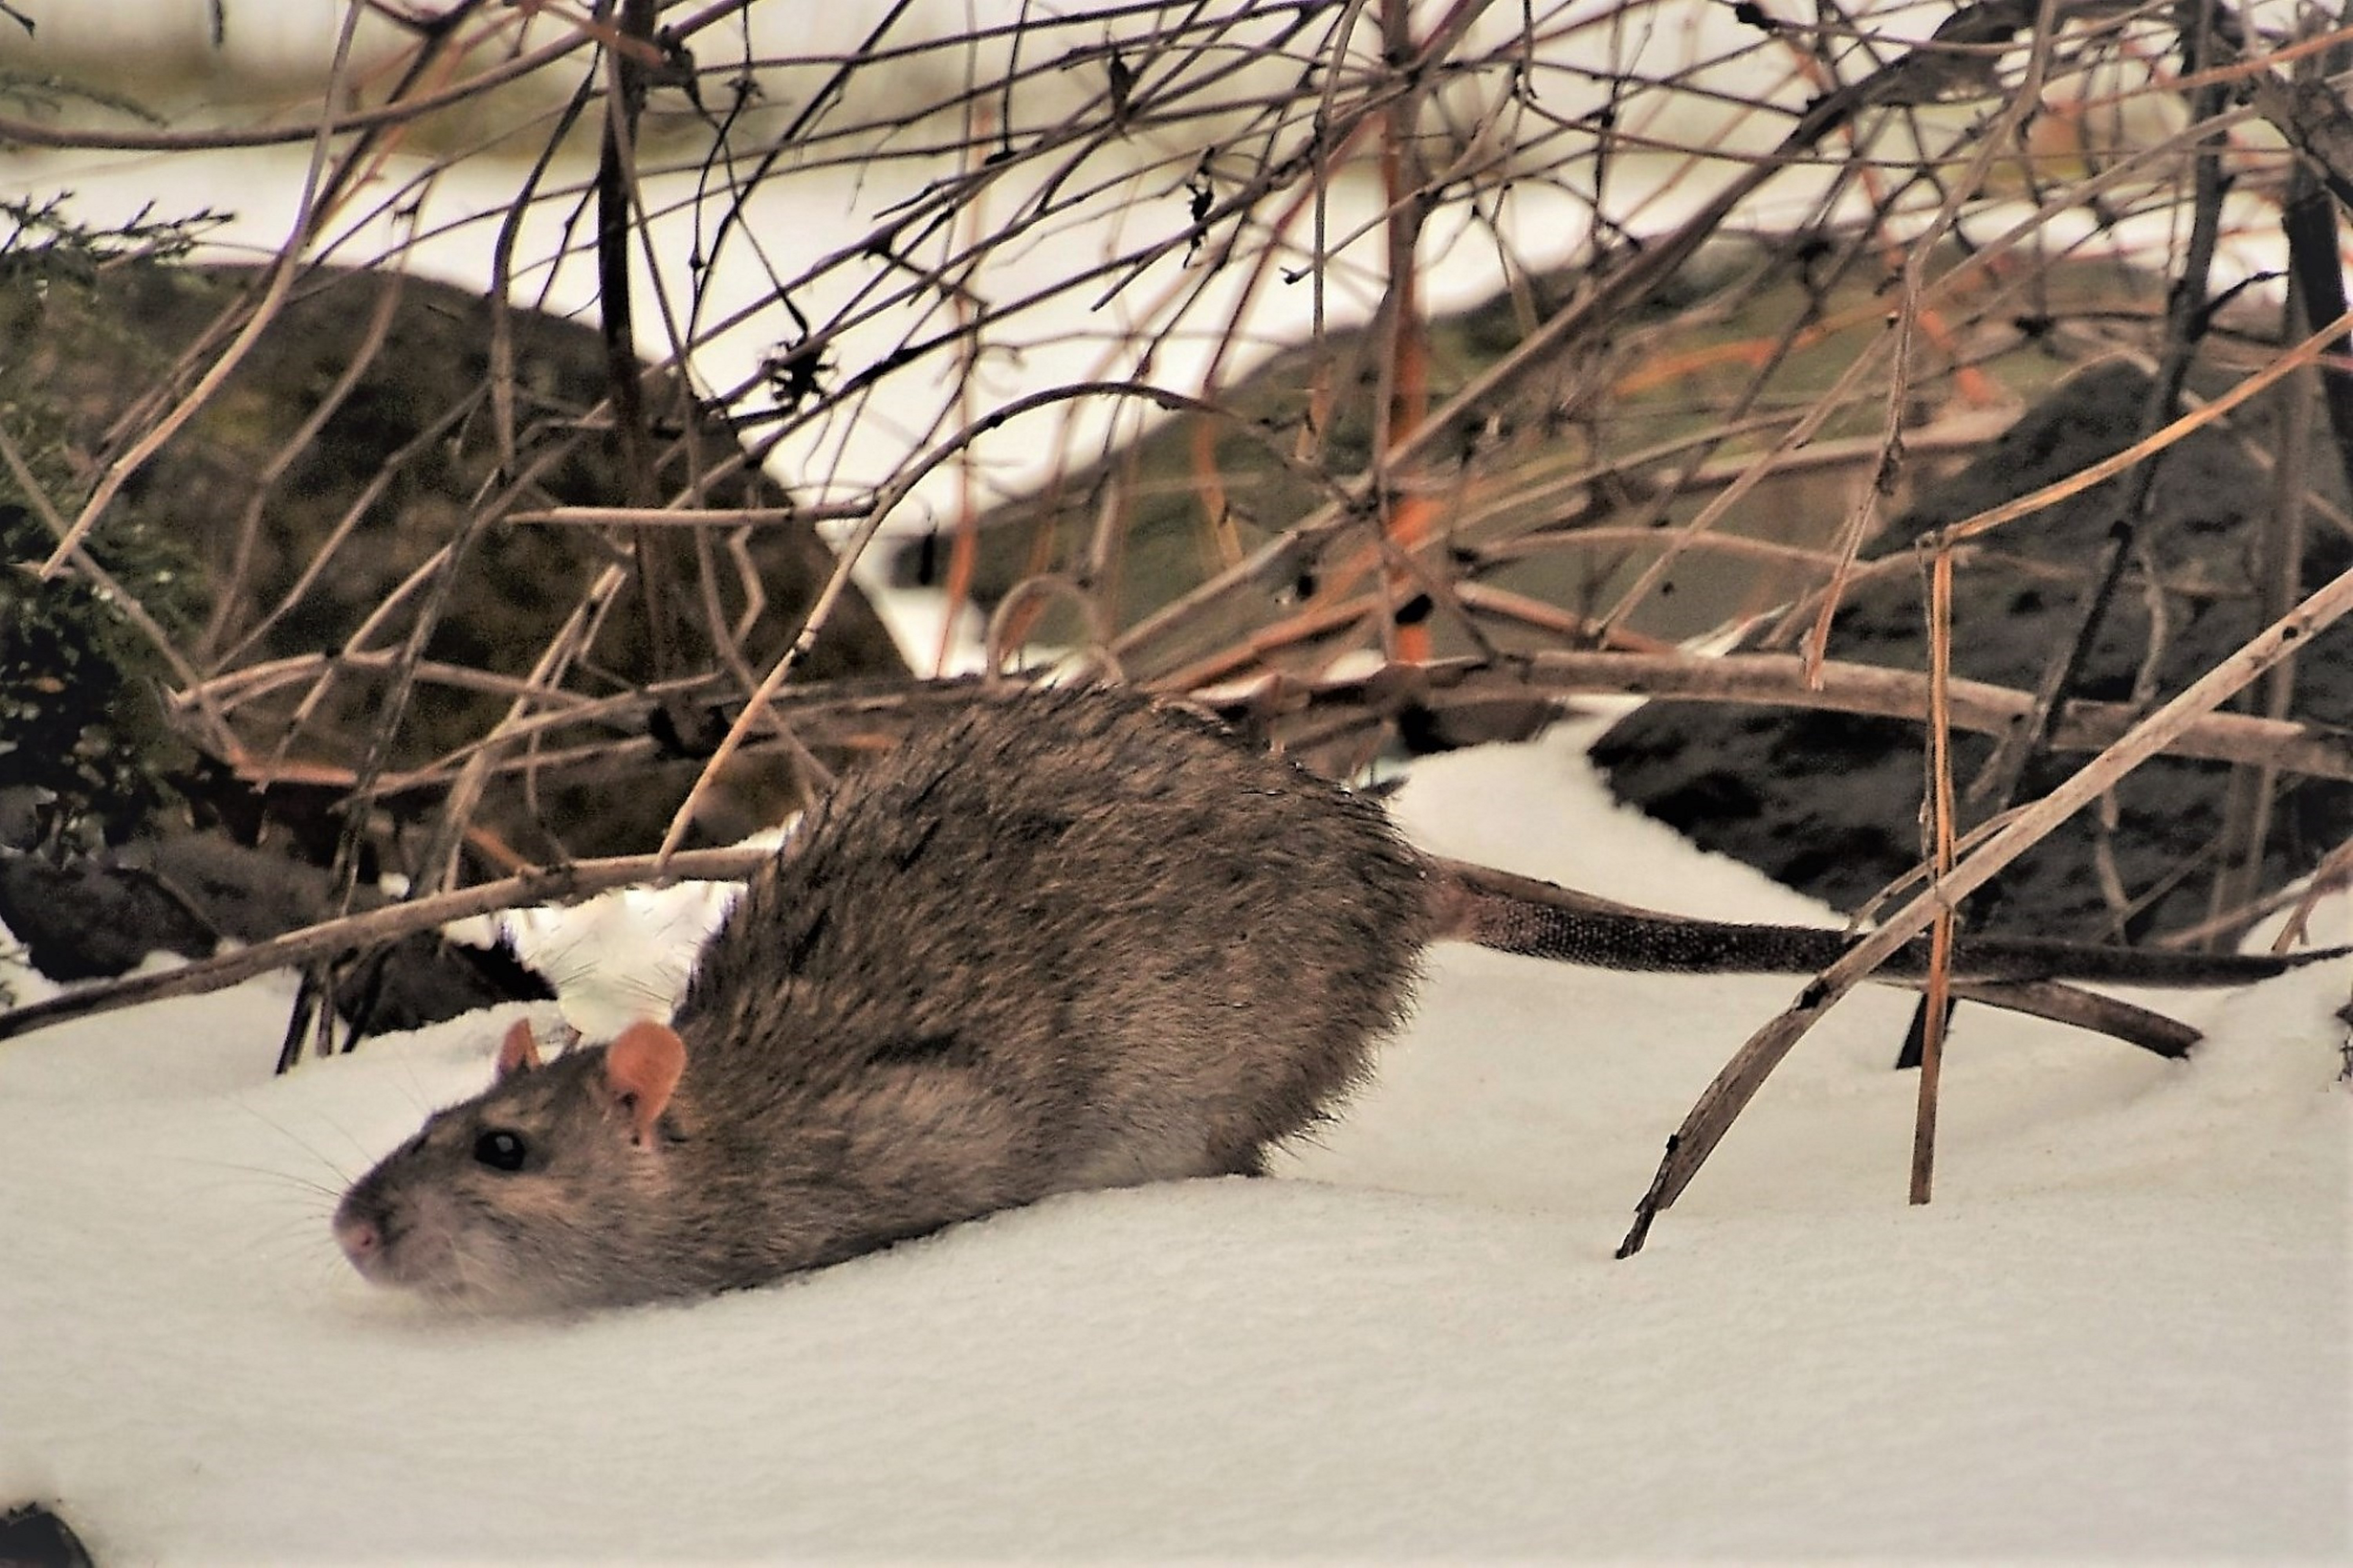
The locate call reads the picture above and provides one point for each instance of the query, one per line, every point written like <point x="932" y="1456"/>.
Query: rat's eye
<point x="501" y="1150"/>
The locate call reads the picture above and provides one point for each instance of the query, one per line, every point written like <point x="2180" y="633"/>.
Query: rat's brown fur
<point x="1059" y="942"/>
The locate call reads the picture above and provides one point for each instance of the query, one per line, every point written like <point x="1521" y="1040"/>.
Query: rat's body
<point x="1058" y="942"/>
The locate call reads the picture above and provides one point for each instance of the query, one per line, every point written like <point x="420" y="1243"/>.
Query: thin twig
<point x="353" y="933"/>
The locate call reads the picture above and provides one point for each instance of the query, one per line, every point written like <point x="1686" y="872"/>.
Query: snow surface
<point x="2122" y="1330"/>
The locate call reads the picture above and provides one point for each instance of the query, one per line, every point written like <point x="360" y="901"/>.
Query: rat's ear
<point x="642" y="1069"/>
<point x="518" y="1052"/>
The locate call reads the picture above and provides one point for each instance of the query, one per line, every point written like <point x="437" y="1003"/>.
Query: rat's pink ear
<point x="518" y="1052"/>
<point x="642" y="1069"/>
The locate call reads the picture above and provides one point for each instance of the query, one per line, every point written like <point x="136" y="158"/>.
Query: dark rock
<point x="404" y="453"/>
<point x="1831" y="803"/>
<point x="427" y="978"/>
<point x="96" y="916"/>
<point x="87" y="920"/>
<point x="33" y="1535"/>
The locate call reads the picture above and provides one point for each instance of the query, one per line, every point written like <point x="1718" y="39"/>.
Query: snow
<point x="2121" y="1331"/>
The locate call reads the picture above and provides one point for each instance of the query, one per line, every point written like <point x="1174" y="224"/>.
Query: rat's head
<point x="543" y="1191"/>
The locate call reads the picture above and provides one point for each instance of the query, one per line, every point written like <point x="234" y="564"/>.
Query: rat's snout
<point x="394" y="1240"/>
<point x="359" y="1232"/>
<point x="360" y="1239"/>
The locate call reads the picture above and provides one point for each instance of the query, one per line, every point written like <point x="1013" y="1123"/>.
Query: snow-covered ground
<point x="2122" y="1330"/>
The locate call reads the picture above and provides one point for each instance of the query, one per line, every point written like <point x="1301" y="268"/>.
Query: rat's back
<point x="1118" y="940"/>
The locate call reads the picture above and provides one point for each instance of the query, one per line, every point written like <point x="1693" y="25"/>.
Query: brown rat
<point x="1060" y="940"/>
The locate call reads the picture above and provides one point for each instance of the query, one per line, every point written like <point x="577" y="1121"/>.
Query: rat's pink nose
<point x="360" y="1239"/>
